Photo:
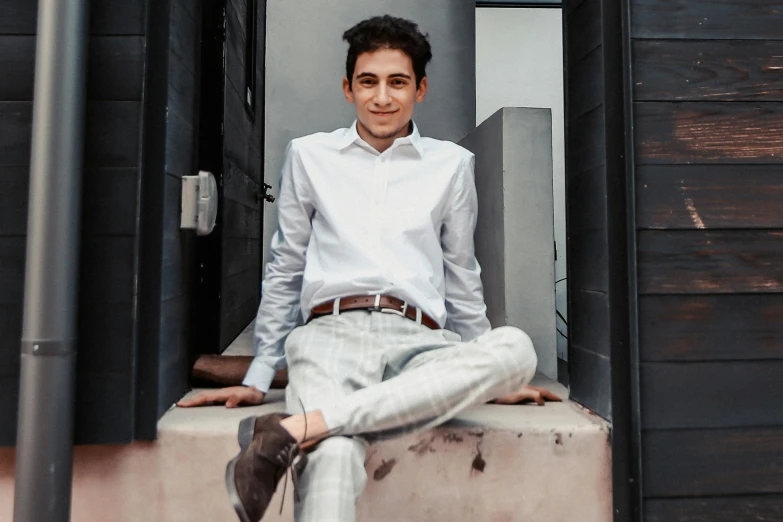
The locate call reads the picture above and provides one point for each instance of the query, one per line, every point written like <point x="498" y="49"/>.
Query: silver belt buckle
<point x="391" y="310"/>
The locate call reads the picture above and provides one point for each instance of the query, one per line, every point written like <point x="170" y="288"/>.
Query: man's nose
<point x="382" y="95"/>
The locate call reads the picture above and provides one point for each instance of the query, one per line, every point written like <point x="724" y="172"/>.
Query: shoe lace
<point x="289" y="457"/>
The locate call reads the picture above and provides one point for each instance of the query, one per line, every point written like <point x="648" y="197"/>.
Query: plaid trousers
<point x="377" y="375"/>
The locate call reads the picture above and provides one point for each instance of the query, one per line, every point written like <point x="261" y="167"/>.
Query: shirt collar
<point x="352" y="136"/>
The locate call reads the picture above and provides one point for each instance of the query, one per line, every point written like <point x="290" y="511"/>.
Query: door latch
<point x="265" y="195"/>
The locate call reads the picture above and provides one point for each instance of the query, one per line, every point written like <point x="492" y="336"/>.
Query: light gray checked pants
<point x="378" y="375"/>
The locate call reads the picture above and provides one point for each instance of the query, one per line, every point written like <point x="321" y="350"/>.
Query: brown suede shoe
<point x="253" y="475"/>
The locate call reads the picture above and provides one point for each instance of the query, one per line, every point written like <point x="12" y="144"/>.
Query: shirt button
<point x="383" y="160"/>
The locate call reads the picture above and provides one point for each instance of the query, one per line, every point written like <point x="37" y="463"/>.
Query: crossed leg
<point x="378" y="375"/>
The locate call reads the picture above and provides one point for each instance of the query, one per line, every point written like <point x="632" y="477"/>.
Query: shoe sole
<point x="244" y="438"/>
<point x="233" y="495"/>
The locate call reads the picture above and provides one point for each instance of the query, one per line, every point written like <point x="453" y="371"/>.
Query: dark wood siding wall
<point x="109" y="233"/>
<point x="178" y="259"/>
<point x="240" y="272"/>
<point x="708" y="125"/>
<point x="592" y="173"/>
<point x="167" y="262"/>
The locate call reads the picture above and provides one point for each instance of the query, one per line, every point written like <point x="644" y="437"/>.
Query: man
<point x="375" y="248"/>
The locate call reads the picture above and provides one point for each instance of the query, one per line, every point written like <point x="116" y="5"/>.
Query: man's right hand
<point x="231" y="397"/>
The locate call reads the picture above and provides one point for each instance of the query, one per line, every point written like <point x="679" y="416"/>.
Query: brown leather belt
<point x="375" y="303"/>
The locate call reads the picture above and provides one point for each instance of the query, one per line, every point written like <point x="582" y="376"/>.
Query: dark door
<point x="232" y="106"/>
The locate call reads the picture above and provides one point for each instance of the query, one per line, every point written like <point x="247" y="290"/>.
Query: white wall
<point x="519" y="63"/>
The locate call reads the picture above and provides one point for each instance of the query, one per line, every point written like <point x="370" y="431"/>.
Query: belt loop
<point x="418" y="315"/>
<point x="336" y="308"/>
<point x="377" y="302"/>
<point x="405" y="308"/>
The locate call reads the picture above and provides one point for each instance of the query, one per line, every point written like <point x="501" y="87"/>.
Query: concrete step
<point x="493" y="463"/>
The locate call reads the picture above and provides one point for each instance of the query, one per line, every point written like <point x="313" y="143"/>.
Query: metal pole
<point x="44" y="451"/>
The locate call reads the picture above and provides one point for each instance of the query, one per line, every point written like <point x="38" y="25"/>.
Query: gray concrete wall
<point x="305" y="65"/>
<point x="515" y="231"/>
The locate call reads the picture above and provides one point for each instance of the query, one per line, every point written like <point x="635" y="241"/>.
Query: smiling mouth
<point x="382" y="114"/>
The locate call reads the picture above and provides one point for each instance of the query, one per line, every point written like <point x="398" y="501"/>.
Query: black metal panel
<point x="591" y="381"/>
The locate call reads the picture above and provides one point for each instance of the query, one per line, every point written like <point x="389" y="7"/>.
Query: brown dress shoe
<point x="267" y="452"/>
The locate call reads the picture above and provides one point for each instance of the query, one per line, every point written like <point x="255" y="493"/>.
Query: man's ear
<point x="421" y="92"/>
<point x="347" y="90"/>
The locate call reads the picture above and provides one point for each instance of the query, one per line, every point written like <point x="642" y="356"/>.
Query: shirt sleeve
<point x="279" y="311"/>
<point x="467" y="312"/>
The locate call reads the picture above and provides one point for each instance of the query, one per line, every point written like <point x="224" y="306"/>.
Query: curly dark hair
<point x="388" y="32"/>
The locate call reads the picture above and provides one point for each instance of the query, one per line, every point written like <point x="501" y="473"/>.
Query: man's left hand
<point x="529" y="394"/>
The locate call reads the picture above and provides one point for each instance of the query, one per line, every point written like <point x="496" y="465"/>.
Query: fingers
<point x="200" y="399"/>
<point x="548" y="395"/>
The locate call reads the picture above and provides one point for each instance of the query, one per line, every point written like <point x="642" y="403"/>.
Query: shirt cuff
<point x="259" y="375"/>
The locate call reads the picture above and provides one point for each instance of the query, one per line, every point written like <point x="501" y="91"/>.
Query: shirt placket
<point x="380" y="184"/>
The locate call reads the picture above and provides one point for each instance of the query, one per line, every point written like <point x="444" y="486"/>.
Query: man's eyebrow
<point x="373" y="75"/>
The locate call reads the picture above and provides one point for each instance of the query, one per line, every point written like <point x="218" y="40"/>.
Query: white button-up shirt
<point x="353" y="221"/>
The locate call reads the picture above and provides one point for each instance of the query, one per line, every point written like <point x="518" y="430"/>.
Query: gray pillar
<point x="305" y="65"/>
<point x="515" y="239"/>
<point x="46" y="399"/>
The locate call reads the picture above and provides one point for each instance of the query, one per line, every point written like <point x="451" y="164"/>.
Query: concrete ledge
<point x="492" y="463"/>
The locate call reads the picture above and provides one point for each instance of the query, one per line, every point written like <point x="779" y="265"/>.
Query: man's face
<point x="383" y="88"/>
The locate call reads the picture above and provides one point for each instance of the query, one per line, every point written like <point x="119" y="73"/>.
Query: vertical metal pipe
<point x="44" y="451"/>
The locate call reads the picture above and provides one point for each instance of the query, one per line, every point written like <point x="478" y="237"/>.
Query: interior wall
<point x="304" y="81"/>
<point x="519" y="63"/>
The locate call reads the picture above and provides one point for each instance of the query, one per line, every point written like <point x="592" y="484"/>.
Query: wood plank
<point x="235" y="50"/>
<point x="711" y="327"/>
<point x="240" y="221"/>
<point x="586" y="84"/>
<point x="728" y="132"/>
<point x="9" y="401"/>
<point x="115" y="17"/>
<point x="241" y="188"/>
<point x="587" y="141"/>
<point x="10" y="338"/>
<point x="684" y="463"/>
<point x="13" y="200"/>
<point x="105" y="333"/>
<point x="237" y="289"/>
<point x="109" y="201"/>
<point x="711" y="394"/>
<point x="589" y="329"/>
<point x="104" y="408"/>
<point x="240" y="254"/>
<point x="588" y="247"/>
<point x="179" y="262"/>
<point x="185" y="37"/>
<point x="724" y="19"/>
<point x="112" y="138"/>
<point x="175" y="334"/>
<point x="768" y="508"/>
<point x="180" y="145"/>
<point x="583" y="31"/>
<point x="232" y="325"/>
<point x="183" y="98"/>
<point x="699" y="262"/>
<point x="12" y="260"/>
<point x="590" y="376"/>
<point x="116" y="67"/>
<point x="707" y="70"/>
<point x="704" y="197"/>
<point x="16" y="126"/>
<point x="107" y="270"/>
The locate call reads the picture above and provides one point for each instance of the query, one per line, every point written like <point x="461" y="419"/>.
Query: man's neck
<point x="382" y="144"/>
